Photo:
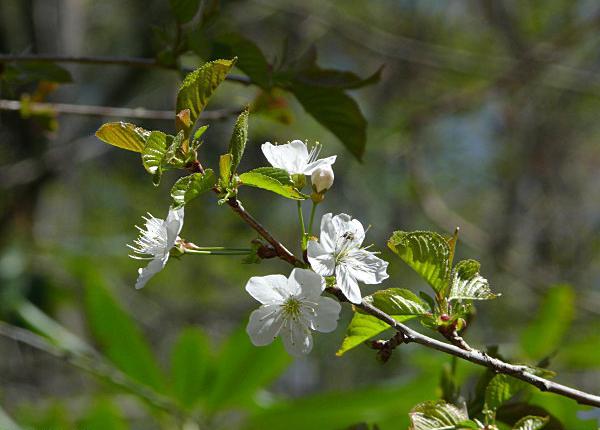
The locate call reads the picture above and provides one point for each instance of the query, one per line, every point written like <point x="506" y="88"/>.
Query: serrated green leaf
<point x="501" y="389"/>
<point x="251" y="59"/>
<point x="190" y="366"/>
<point x="398" y="301"/>
<point x="184" y="10"/>
<point x="468" y="284"/>
<point x="336" y="111"/>
<point x="544" y="334"/>
<point x="239" y="137"/>
<point x="198" y="86"/>
<point x="531" y="423"/>
<point x="118" y="335"/>
<point x="123" y="135"/>
<point x="272" y="179"/>
<point x="436" y="415"/>
<point x="200" y="131"/>
<point x="154" y="152"/>
<point x="363" y="327"/>
<point x="426" y="252"/>
<point x="189" y="187"/>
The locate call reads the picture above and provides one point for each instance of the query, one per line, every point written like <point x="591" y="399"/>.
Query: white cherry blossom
<point x="295" y="158"/>
<point x="155" y="242"/>
<point x="339" y="253"/>
<point x="290" y="308"/>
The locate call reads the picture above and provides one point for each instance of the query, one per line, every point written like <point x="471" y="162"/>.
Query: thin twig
<point x="148" y="63"/>
<point x="475" y="356"/>
<point x="107" y="111"/>
<point x="94" y="364"/>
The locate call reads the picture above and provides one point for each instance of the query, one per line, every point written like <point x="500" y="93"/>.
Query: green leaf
<point x="501" y="389"/>
<point x="123" y="135"/>
<point x="468" y="284"/>
<point x="272" y="179"/>
<point x="32" y="71"/>
<point x="198" y="86"/>
<point x="184" y="10"/>
<point x="545" y="333"/>
<point x="385" y="404"/>
<point x="190" y="366"/>
<point x="363" y="327"/>
<point x="251" y="59"/>
<point x="398" y="301"/>
<point x="436" y="415"/>
<point x="426" y="252"/>
<point x="336" y="78"/>
<point x="102" y="416"/>
<point x="118" y="334"/>
<point x="225" y="162"/>
<point x="154" y="153"/>
<point x="239" y="137"/>
<point x="337" y="112"/>
<point x="531" y="423"/>
<point x="189" y="187"/>
<point x="243" y="369"/>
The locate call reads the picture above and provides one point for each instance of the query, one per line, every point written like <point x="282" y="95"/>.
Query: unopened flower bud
<point x="322" y="179"/>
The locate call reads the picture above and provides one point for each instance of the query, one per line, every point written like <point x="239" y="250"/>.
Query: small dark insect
<point x="348" y="235"/>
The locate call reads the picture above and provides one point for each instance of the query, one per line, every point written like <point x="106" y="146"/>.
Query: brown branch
<point x="148" y="63"/>
<point x="107" y="111"/>
<point x="282" y="251"/>
<point x="92" y="363"/>
<point x="475" y="356"/>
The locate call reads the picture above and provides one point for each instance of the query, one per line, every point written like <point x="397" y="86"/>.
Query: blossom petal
<point x="291" y="157"/>
<point x="264" y="325"/>
<point x="307" y="283"/>
<point x="328" y="235"/>
<point x="296" y="338"/>
<point x="326" y="315"/>
<point x="311" y="167"/>
<point x="347" y="283"/>
<point x="321" y="261"/>
<point x="155" y="266"/>
<point x="351" y="230"/>
<point x="174" y="224"/>
<point x="270" y="289"/>
<point x="366" y="267"/>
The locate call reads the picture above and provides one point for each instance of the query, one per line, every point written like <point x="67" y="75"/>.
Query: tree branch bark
<point x="147" y="63"/>
<point x="107" y="111"/>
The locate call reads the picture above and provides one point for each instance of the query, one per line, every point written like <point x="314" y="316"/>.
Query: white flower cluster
<point x="290" y="307"/>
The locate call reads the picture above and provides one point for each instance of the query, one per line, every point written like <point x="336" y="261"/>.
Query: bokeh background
<point x="485" y="117"/>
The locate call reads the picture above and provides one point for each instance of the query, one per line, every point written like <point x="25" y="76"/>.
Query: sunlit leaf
<point x="436" y="415"/>
<point x="363" y="327"/>
<point x="398" y="301"/>
<point x="189" y="187"/>
<point x="426" y="252"/>
<point x="531" y="423"/>
<point x="272" y="179"/>
<point x="501" y="389"/>
<point x="153" y="154"/>
<point x="225" y="162"/>
<point x="468" y="284"/>
<point x="198" y="86"/>
<point x="123" y="135"/>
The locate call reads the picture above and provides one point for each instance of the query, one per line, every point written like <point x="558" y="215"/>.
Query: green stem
<point x="312" y="217"/>
<point x="301" y="218"/>
<point x="218" y="252"/>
